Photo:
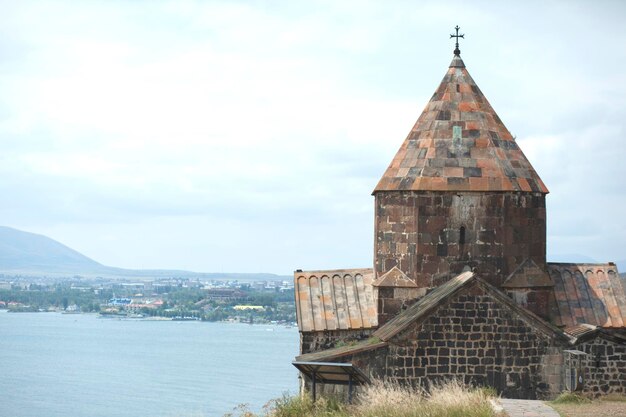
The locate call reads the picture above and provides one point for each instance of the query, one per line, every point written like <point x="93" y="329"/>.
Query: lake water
<point x="78" y="365"/>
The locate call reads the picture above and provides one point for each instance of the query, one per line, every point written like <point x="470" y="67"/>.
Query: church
<point x="460" y="286"/>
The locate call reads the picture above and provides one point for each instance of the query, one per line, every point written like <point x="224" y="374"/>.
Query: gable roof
<point x="394" y="278"/>
<point x="528" y="275"/>
<point x="430" y="302"/>
<point x="460" y="144"/>
<point x="423" y="306"/>
<point x="588" y="293"/>
<point x="335" y="300"/>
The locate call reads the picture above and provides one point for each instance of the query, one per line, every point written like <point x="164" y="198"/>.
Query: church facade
<point x="460" y="286"/>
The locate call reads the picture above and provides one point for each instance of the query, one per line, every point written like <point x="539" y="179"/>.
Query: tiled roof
<point x="588" y="293"/>
<point x="335" y="300"/>
<point x="460" y="144"/>
<point x="580" y="330"/>
<point x="334" y="353"/>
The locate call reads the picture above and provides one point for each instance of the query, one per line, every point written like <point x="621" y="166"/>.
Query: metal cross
<point x="457" y="51"/>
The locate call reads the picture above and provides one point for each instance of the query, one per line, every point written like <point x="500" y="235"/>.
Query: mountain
<point x="24" y="253"/>
<point x="22" y="250"/>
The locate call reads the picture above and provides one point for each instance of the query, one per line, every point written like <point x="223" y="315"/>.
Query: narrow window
<point x="442" y="246"/>
<point x="462" y="236"/>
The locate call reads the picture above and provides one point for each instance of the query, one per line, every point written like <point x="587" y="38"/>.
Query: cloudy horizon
<point x="247" y="136"/>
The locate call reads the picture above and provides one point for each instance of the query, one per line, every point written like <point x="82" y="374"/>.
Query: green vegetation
<point x="571" y="398"/>
<point x="60" y="297"/>
<point x="373" y="340"/>
<point x="303" y="406"/>
<point x="174" y="302"/>
<point x="451" y="399"/>
<point x="343" y="343"/>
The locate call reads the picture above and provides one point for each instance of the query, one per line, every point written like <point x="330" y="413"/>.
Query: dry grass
<point x="613" y="405"/>
<point x="595" y="409"/>
<point x="451" y="399"/>
<point x="381" y="399"/>
<point x="614" y="397"/>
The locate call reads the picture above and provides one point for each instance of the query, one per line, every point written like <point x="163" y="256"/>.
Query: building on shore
<point x="460" y="286"/>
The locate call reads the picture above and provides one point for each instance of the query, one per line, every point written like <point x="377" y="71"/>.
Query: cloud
<point x="191" y="134"/>
<point x="583" y="172"/>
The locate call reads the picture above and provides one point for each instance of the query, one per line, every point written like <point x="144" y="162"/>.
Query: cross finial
<point x="457" y="51"/>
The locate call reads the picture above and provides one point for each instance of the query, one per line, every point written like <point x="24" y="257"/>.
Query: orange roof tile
<point x="588" y="294"/>
<point x="459" y="123"/>
<point x="335" y="300"/>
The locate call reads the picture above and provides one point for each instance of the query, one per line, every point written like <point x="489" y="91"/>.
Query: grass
<point x="574" y="405"/>
<point x="571" y="398"/>
<point x="451" y="399"/>
<point x="614" y="398"/>
<point x="304" y="406"/>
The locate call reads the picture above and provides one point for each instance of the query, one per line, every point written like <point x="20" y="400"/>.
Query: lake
<point x="80" y="365"/>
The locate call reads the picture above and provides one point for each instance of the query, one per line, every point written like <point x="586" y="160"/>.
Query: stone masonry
<point x="477" y="338"/>
<point x="433" y="236"/>
<point x="473" y="337"/>
<point x="604" y="367"/>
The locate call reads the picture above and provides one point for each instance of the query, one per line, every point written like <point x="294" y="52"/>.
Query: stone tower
<point x="460" y="194"/>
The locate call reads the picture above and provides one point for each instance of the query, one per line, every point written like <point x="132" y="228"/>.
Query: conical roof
<point x="460" y="144"/>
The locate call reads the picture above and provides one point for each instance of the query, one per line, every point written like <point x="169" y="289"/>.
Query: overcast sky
<point x="247" y="136"/>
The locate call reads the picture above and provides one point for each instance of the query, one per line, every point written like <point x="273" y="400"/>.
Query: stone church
<point x="460" y="286"/>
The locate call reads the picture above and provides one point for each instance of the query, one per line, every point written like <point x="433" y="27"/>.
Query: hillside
<point x="24" y="253"/>
<point x="28" y="251"/>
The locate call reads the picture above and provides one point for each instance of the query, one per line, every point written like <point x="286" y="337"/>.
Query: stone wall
<point x="316" y="341"/>
<point x="540" y="300"/>
<point x="476" y="339"/>
<point x="604" y="367"/>
<point x="430" y="234"/>
<point x="392" y="301"/>
<point x="552" y="373"/>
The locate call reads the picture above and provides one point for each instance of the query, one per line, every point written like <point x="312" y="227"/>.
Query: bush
<point x="303" y="406"/>
<point x="571" y="398"/>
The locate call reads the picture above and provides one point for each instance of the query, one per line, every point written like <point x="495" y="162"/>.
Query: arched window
<point x="462" y="235"/>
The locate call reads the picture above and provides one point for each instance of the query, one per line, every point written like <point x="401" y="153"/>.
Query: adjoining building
<point x="460" y="286"/>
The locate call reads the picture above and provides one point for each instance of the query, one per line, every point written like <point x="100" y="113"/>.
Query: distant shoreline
<point x="157" y="318"/>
